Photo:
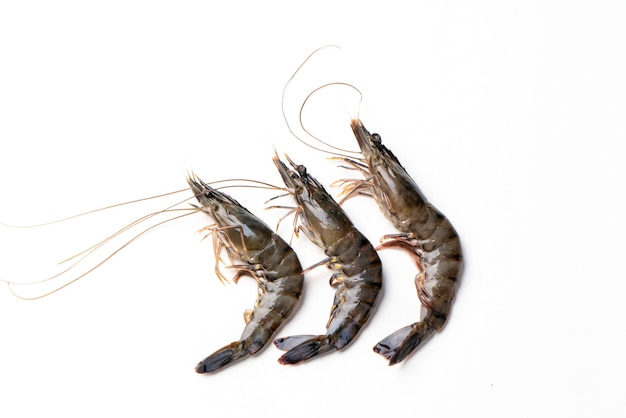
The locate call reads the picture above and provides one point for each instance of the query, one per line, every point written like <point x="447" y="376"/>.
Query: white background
<point x="510" y="116"/>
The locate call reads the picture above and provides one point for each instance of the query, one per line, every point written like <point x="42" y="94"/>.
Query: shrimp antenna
<point x="85" y="253"/>
<point x="255" y="184"/>
<point x="301" y="125"/>
<point x="11" y="285"/>
<point x="94" y="210"/>
<point x="94" y="247"/>
<point x="335" y="83"/>
<point x="288" y="83"/>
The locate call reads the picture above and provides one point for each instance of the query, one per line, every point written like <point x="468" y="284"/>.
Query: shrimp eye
<point x="294" y="176"/>
<point x="376" y="138"/>
<point x="301" y="169"/>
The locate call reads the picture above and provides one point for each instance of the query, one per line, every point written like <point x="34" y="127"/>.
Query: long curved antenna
<point x="94" y="247"/>
<point x="258" y="184"/>
<point x="74" y="280"/>
<point x="94" y="210"/>
<point x="308" y="132"/>
<point x="287" y="84"/>
<point x="294" y="75"/>
<point x="85" y="253"/>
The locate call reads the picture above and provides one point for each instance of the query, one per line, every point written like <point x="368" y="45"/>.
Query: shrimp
<point x="358" y="276"/>
<point x="425" y="233"/>
<point x="266" y="257"/>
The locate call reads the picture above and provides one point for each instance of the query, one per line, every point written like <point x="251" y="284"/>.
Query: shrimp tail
<point x="223" y="357"/>
<point x="397" y="346"/>
<point x="303" y="347"/>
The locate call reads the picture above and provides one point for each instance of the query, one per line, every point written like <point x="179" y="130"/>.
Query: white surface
<point x="510" y="116"/>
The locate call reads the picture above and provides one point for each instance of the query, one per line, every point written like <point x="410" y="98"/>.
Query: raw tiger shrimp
<point x="358" y="277"/>
<point x="266" y="257"/>
<point x="426" y="234"/>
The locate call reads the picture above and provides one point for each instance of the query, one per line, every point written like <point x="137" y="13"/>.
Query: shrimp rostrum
<point x="425" y="233"/>
<point x="265" y="256"/>
<point x="358" y="271"/>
